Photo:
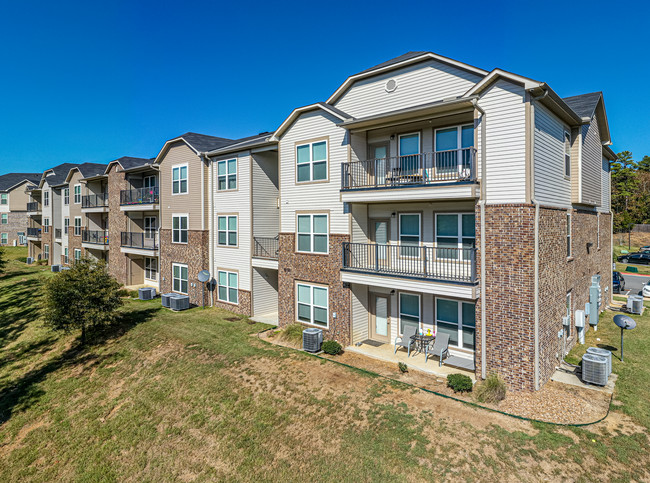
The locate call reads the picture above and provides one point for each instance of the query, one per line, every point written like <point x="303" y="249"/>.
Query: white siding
<point x="317" y="196"/>
<point x="551" y="186"/>
<point x="592" y="155"/>
<point x="235" y="202"/>
<point x="606" y="186"/>
<point x="505" y="149"/>
<point x="265" y="291"/>
<point x="265" y="194"/>
<point x="416" y="84"/>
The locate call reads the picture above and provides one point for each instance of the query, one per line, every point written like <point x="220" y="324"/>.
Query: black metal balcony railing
<point x="266" y="247"/>
<point x="147" y="241"/>
<point x="33" y="206"/>
<point x="94" y="200"/>
<point x="57" y="233"/>
<point x="450" y="264"/>
<point x="416" y="169"/>
<point x="34" y="232"/>
<point x="97" y="237"/>
<point x="139" y="196"/>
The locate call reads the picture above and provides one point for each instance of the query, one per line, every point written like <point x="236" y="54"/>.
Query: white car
<point x="646" y="289"/>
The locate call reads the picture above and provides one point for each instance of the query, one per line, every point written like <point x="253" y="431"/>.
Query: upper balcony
<point x="34" y="208"/>
<point x="139" y="243"/>
<point x="139" y="199"/>
<point x="266" y="251"/>
<point x="94" y="203"/>
<point x="34" y="234"/>
<point x="435" y="175"/>
<point x="94" y="239"/>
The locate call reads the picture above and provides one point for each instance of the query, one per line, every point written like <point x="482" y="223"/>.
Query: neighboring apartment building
<point x="13" y="207"/>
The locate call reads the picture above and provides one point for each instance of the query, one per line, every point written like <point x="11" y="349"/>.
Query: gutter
<point x="210" y="220"/>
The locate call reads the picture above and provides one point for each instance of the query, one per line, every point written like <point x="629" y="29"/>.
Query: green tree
<point x="85" y="297"/>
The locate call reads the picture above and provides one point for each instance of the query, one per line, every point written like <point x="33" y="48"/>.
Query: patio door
<point x="379" y="154"/>
<point x="380" y="230"/>
<point x="380" y="318"/>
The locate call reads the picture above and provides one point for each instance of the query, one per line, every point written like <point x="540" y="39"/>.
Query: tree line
<point x="630" y="191"/>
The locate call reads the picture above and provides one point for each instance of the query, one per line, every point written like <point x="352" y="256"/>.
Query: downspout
<point x="210" y="220"/>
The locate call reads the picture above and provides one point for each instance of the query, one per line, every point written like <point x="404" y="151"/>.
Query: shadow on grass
<point x="125" y="322"/>
<point x="19" y="307"/>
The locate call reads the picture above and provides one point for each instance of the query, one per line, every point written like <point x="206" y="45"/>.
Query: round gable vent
<point x="391" y="85"/>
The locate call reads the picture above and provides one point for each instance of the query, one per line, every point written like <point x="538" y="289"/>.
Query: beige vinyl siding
<point x="505" y="147"/>
<point x="179" y="153"/>
<point x="359" y="220"/>
<point x="265" y="291"/>
<point x="592" y="155"/>
<point x="75" y="209"/>
<point x="551" y="185"/>
<point x="18" y="198"/>
<point x="606" y="186"/>
<point x="46" y="210"/>
<point x="317" y="196"/>
<point x="235" y="202"/>
<point x="416" y="84"/>
<point x="360" y="313"/>
<point x="265" y="194"/>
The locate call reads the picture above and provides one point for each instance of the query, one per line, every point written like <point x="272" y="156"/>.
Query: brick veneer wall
<point x="16" y="221"/>
<point x="48" y="239"/>
<point x="117" y="261"/>
<point x="74" y="242"/>
<point x="321" y="269"/>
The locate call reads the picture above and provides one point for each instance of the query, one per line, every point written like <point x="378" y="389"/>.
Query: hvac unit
<point x="55" y="268"/>
<point x="594" y="369"/>
<point x="597" y="351"/>
<point x="146" y="293"/>
<point x="165" y="298"/>
<point x="312" y="339"/>
<point x="179" y="302"/>
<point x="30" y="260"/>
<point x="635" y="304"/>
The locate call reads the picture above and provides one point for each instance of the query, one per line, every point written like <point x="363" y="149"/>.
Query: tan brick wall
<point x="16" y="222"/>
<point x="322" y="269"/>
<point x="117" y="261"/>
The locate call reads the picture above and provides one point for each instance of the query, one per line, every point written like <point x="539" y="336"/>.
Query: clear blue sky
<point x="93" y="81"/>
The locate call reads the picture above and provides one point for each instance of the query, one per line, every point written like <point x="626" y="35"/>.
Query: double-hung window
<point x="409" y="234"/>
<point x="77" y="194"/>
<point x="151" y="268"/>
<point x="311" y="160"/>
<point x="313" y="233"/>
<point x="568" y="234"/>
<point x="4" y="198"/>
<point x="5" y="218"/>
<point x="46" y="198"/>
<point x="227" y="230"/>
<point x="455" y="235"/>
<point x="179" y="278"/>
<point x="66" y="225"/>
<point x="179" y="180"/>
<point x="46" y="225"/>
<point x="66" y="196"/>
<point x="454" y="149"/>
<point x="568" y="310"/>
<point x="228" y="287"/>
<point x="77" y="226"/>
<point x="312" y="304"/>
<point x="409" y="311"/>
<point x="65" y="255"/>
<point x="4" y="238"/>
<point x="149" y="227"/>
<point x="46" y="252"/>
<point x="77" y="254"/>
<point x="567" y="154"/>
<point x="179" y="229"/>
<point x="227" y="174"/>
<point x="458" y="319"/>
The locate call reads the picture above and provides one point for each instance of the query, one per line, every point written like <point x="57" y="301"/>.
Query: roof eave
<point x="297" y="112"/>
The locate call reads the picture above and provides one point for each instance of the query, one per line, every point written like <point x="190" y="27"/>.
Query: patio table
<point x="422" y="341"/>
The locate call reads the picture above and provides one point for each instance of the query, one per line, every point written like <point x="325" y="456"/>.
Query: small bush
<point x="459" y="382"/>
<point x="492" y="390"/>
<point x="292" y="333"/>
<point x="332" y="347"/>
<point x="123" y="292"/>
<point x="402" y="367"/>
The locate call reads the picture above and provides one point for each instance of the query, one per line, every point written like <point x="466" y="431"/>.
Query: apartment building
<point x="13" y="207"/>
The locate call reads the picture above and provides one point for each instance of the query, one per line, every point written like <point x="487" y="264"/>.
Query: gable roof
<point x="57" y="175"/>
<point x="243" y="143"/>
<point x="87" y="170"/>
<point x="584" y="105"/>
<point x="311" y="107"/>
<point x="199" y="143"/>
<point x="127" y="162"/>
<point x="11" y="180"/>
<point x="394" y="60"/>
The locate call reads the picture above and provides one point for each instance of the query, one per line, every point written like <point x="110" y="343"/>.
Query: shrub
<point x="292" y="333"/>
<point x="492" y="390"/>
<point x="402" y="367"/>
<point x="332" y="347"/>
<point x="459" y="382"/>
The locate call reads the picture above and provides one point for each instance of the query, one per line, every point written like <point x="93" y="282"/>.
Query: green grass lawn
<point x="166" y="396"/>
<point x="622" y="267"/>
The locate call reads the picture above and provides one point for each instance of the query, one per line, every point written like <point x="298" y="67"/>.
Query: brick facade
<point x="74" y="243"/>
<point x="17" y="221"/>
<point x="117" y="265"/>
<point x="321" y="269"/>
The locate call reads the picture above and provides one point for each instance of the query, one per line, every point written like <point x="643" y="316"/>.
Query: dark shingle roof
<point x="9" y="180"/>
<point x="584" y="105"/>
<point x="396" y="60"/>
<point x="243" y="143"/>
<point x="88" y="170"/>
<point x="128" y="162"/>
<point x="60" y="173"/>
<point x="203" y="142"/>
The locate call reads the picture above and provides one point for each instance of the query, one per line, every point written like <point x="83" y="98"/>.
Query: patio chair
<point x="405" y="340"/>
<point x="440" y="348"/>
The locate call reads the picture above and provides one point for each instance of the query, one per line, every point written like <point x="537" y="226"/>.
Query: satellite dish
<point x="204" y="276"/>
<point x="625" y="321"/>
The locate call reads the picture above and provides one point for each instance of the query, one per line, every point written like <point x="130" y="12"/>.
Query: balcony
<point x="139" y="243"/>
<point x="33" y="208"/>
<point x="57" y="233"/>
<point x="439" y="175"/>
<point x="140" y="199"/>
<point x="94" y="238"/>
<point x="265" y="252"/>
<point x="33" y="233"/>
<point x="95" y="202"/>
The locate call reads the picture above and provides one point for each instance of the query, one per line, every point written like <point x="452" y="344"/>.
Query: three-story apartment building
<point x="13" y="207"/>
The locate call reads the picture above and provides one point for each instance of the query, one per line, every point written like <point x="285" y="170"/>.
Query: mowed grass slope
<point x="196" y="396"/>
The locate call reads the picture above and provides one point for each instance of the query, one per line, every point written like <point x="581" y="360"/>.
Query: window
<point x="66" y="196"/>
<point x="409" y="311"/>
<point x="46" y="225"/>
<point x="453" y="148"/>
<point x="149" y="227"/>
<point x="409" y="234"/>
<point x="179" y="180"/>
<point x="455" y="235"/>
<point x="458" y="319"/>
<point x="179" y="278"/>
<point x="4" y="238"/>
<point x="409" y="150"/>
<point x="567" y="154"/>
<point x="77" y="226"/>
<point x="179" y="229"/>
<point x="149" y="181"/>
<point x="227" y="230"/>
<point x="21" y="238"/>
<point x="312" y="304"/>
<point x="313" y="233"/>
<point x="568" y="310"/>
<point x="46" y="252"/>
<point x="228" y="287"/>
<point x="65" y="255"/>
<point x="46" y="198"/>
<point x="4" y="197"/>
<point x="227" y="175"/>
<point x="568" y="234"/>
<point x="151" y="268"/>
<point x="77" y="254"/>
<point x="311" y="159"/>
<point x="77" y="194"/>
<point x="5" y="218"/>
<point x="66" y="225"/>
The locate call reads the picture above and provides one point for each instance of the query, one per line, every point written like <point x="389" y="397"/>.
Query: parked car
<point x="618" y="282"/>
<point x="638" y="258"/>
<point x="646" y="289"/>
<point x="642" y="249"/>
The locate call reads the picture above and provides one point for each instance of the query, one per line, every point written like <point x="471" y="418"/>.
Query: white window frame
<point x="459" y="308"/>
<point x="311" y="161"/>
<point x="77" y="228"/>
<point x="403" y="135"/>
<point x="66" y="196"/>
<point x="46" y="198"/>
<point x="46" y="252"/>
<point x="312" y="234"/>
<point x="4" y="220"/>
<point x="399" y="236"/>
<point x="147" y="181"/>
<point x="459" y="237"/>
<point x="180" y="180"/>
<point x="4" y="198"/>
<point x="567" y="154"/>
<point x="228" y="231"/>
<point x="311" y="304"/>
<point x="149" y="272"/>
<point x="66" y="225"/>
<point x="180" y="279"/>
<point x="400" y="328"/>
<point x="77" y="254"/>
<point x="569" y="248"/>
<point x="4" y="238"/>
<point x="150" y="226"/>
<point x="77" y="194"/>
<point x="180" y="230"/>
<point x="65" y="255"/>
<point x="46" y="225"/>
<point x="227" y="287"/>
<point x="568" y="309"/>
<point x="226" y="177"/>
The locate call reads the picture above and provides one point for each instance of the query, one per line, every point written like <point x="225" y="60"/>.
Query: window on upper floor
<point x="46" y="198"/>
<point x="77" y="226"/>
<point x="455" y="235"/>
<point x="66" y="196"/>
<point x="453" y="148"/>
<point x="66" y="225"/>
<point x="409" y="234"/>
<point x="149" y="181"/>
<point x="65" y="255"/>
<point x="568" y="234"/>
<point x="46" y="225"/>
<point x="179" y="228"/>
<point x="567" y="154"/>
<point x="4" y="198"/>
<point x="311" y="162"/>
<point x="313" y="233"/>
<point x="46" y="252"/>
<point x="227" y="175"/>
<point x="77" y="194"/>
<point x="179" y="180"/>
<point x="227" y="230"/>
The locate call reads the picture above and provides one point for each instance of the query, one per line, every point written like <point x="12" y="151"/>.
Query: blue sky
<point x="91" y="81"/>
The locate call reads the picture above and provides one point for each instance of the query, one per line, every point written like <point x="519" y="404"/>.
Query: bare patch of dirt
<point x="22" y="434"/>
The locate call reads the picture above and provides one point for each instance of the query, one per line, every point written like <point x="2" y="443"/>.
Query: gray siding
<point x="606" y="184"/>
<point x="592" y="155"/>
<point x="265" y="291"/>
<point x="266" y="215"/>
